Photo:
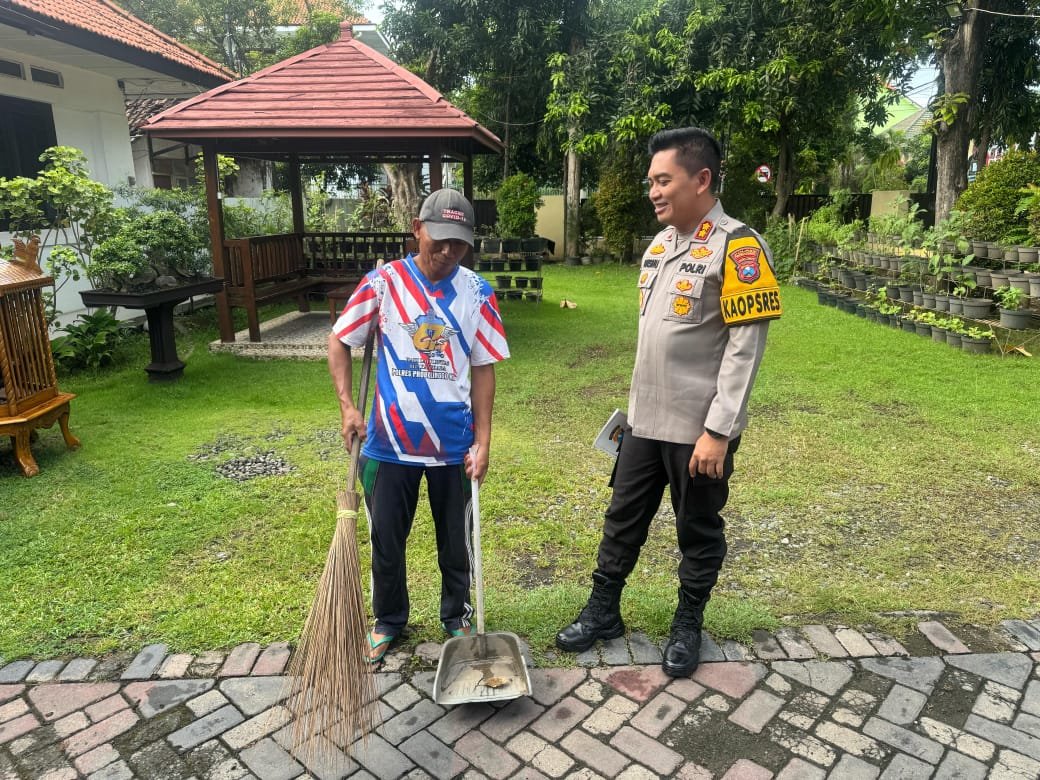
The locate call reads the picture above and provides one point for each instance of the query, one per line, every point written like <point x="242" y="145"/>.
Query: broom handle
<point x="362" y="401"/>
<point x="478" y="558"/>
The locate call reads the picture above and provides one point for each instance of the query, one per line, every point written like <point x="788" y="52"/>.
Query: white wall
<point x="89" y="115"/>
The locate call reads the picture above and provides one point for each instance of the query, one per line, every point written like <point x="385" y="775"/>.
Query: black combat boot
<point x="683" y="651"/>
<point x="600" y="619"/>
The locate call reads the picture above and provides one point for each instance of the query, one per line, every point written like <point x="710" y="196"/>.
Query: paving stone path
<point x="809" y="703"/>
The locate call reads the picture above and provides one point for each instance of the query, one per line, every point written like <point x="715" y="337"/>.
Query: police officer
<point x="706" y="295"/>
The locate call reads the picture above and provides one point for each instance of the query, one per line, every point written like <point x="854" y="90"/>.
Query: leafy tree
<point x="518" y="201"/>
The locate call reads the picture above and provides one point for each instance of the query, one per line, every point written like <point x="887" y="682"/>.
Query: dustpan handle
<point x="478" y="557"/>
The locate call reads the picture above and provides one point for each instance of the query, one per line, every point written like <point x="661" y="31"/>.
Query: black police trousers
<point x="644" y="468"/>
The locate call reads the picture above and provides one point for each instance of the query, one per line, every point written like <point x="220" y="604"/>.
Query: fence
<point x="801" y="206"/>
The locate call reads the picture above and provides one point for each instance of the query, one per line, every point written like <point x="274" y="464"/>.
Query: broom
<point x="332" y="690"/>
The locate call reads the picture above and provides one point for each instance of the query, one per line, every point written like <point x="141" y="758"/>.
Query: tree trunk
<point x="961" y="64"/>
<point x="572" y="201"/>
<point x="784" y="173"/>
<point x="406" y="186"/>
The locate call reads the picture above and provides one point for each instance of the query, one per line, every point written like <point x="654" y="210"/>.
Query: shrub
<point x="991" y="200"/>
<point x="621" y="204"/>
<point x="518" y="201"/>
<point x="90" y="342"/>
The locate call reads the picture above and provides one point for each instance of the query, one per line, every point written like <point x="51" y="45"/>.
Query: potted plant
<point x="1013" y="311"/>
<point x="954" y="331"/>
<point x="977" y="340"/>
<point x="150" y="263"/>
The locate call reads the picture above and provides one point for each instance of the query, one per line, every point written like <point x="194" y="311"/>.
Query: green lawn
<point x="881" y="472"/>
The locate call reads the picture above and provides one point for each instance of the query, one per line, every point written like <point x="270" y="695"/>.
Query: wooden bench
<point x="265" y="269"/>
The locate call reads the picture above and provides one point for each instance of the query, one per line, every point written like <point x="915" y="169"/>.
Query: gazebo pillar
<point x="296" y="195"/>
<point x="436" y="169"/>
<point x="216" y="239"/>
<point x="467" y="177"/>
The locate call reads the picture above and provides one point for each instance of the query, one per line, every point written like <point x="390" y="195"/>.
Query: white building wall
<point x="88" y="114"/>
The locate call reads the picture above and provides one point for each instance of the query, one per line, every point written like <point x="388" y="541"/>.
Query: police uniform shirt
<point x="705" y="302"/>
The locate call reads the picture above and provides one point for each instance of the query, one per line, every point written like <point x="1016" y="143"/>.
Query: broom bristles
<point x="332" y="691"/>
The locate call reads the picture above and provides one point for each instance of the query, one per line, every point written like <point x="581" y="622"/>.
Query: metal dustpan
<point x="482" y="667"/>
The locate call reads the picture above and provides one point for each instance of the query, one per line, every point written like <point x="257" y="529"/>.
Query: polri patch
<point x="750" y="292"/>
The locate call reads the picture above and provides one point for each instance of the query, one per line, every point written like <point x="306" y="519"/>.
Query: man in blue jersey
<point x="439" y="334"/>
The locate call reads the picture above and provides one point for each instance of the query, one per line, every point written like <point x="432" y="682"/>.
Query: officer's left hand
<point x="709" y="456"/>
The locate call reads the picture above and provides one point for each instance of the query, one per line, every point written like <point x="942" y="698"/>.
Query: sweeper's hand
<point x="353" y="425"/>
<point x="477" y="463"/>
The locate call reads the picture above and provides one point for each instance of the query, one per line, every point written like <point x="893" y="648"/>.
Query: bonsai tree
<point x="154" y="250"/>
<point x="518" y="201"/>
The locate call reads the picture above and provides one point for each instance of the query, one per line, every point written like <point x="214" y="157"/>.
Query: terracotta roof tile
<point x="107" y="20"/>
<point x="343" y="89"/>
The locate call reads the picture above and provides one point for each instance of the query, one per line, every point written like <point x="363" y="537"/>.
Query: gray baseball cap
<point x="447" y="215"/>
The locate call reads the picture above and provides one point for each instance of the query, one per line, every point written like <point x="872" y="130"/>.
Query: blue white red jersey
<point x="429" y="334"/>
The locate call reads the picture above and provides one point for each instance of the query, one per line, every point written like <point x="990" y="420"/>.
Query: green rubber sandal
<point x="383" y="643"/>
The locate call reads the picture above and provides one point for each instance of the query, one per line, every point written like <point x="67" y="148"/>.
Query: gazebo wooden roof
<point x="339" y="101"/>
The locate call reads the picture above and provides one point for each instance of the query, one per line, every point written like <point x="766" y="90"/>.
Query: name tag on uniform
<point x="750" y="292"/>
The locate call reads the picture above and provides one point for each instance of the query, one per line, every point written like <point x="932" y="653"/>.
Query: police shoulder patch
<point x="750" y="292"/>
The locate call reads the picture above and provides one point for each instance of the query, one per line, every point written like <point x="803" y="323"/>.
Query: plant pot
<point x="822" y="296"/>
<point x="1027" y="254"/>
<point x="953" y="339"/>
<point x="908" y="325"/>
<point x="498" y="265"/>
<point x="928" y="300"/>
<point x="535" y="283"/>
<point x="491" y="246"/>
<point x="860" y="310"/>
<point x="1011" y="254"/>
<point x="975" y="346"/>
<point x="521" y="282"/>
<point x="510" y="244"/>
<point x="956" y="305"/>
<point x="514" y="295"/>
<point x="516" y="265"/>
<point x="859" y="281"/>
<point x="980" y="248"/>
<point x="1020" y="282"/>
<point x="917" y="297"/>
<point x="892" y="292"/>
<point x="1034" y="287"/>
<point x="534" y="295"/>
<point x="998" y="279"/>
<point x="532" y="265"/>
<point x="938" y="334"/>
<point x="982" y="277"/>
<point x="942" y="302"/>
<point x="500" y="295"/>
<point x="484" y="265"/>
<point x="883" y="319"/>
<point x="503" y="282"/>
<point x="906" y="293"/>
<point x="535" y="244"/>
<point x="977" y="308"/>
<point x="1017" y="319"/>
<point x="923" y="329"/>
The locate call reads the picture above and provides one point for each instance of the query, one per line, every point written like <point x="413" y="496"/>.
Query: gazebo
<point x="340" y="102"/>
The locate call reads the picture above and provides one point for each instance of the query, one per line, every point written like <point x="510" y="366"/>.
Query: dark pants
<point x="644" y="468"/>
<point x="391" y="496"/>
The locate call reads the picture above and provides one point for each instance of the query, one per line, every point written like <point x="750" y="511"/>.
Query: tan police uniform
<point x="705" y="300"/>
<point x="704" y="304"/>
